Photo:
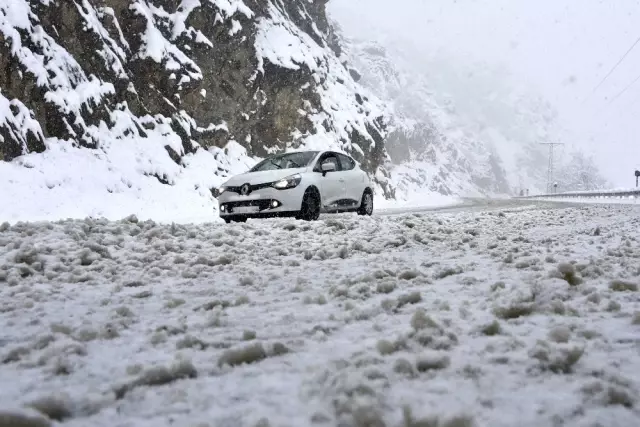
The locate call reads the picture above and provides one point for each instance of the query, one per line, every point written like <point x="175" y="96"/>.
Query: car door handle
<point x="341" y="179"/>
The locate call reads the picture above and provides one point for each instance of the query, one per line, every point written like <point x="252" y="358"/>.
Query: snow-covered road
<point x="518" y="314"/>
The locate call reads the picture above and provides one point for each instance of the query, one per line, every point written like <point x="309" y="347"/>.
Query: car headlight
<point x="288" y="182"/>
<point x="220" y="190"/>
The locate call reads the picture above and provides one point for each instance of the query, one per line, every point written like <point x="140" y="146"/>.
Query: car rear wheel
<point x="366" y="205"/>
<point x="310" y="210"/>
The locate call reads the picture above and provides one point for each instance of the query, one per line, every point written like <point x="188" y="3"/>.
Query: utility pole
<point x="521" y="187"/>
<point x="550" y="167"/>
<point x="637" y="176"/>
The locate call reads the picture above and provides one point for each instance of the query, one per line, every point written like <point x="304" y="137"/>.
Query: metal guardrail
<point x="601" y="194"/>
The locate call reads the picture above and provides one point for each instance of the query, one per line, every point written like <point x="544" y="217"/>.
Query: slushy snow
<point x="521" y="314"/>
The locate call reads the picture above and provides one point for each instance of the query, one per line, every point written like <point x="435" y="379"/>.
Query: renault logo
<point x="245" y="189"/>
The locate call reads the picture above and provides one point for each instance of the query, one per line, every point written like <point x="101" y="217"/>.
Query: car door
<point x="353" y="179"/>
<point x="331" y="184"/>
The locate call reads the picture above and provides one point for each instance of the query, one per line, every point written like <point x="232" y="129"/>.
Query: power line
<point x="616" y="66"/>
<point x="624" y="90"/>
<point x="606" y="110"/>
<point x="632" y="103"/>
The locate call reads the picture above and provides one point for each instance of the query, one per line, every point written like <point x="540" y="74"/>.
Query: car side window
<point x="347" y="162"/>
<point x="329" y="158"/>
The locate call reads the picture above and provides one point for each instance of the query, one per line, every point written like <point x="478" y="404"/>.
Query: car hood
<point x="261" y="177"/>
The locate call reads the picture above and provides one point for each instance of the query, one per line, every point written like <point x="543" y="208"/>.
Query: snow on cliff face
<point x="458" y="144"/>
<point x="460" y="129"/>
<point x="282" y="43"/>
<point x="116" y="107"/>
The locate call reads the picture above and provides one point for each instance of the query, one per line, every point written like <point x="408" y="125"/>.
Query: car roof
<point x="338" y="152"/>
<point x="296" y="151"/>
<point x="318" y="152"/>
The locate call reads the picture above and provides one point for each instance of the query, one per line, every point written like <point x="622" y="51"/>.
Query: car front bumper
<point x="261" y="203"/>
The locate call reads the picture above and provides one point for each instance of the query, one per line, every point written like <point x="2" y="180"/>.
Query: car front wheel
<point x="366" y="205"/>
<point x="236" y="219"/>
<point x="310" y="209"/>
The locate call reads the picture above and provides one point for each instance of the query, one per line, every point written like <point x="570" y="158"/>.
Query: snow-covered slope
<point x="115" y="107"/>
<point x="458" y="129"/>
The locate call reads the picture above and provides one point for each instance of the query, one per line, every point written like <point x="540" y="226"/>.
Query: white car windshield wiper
<point x="295" y="164"/>
<point x="273" y="162"/>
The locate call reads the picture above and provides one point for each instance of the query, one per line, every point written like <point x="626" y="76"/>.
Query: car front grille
<point x="252" y="188"/>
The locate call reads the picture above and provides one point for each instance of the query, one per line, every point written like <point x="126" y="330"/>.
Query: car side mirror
<point x="328" y="167"/>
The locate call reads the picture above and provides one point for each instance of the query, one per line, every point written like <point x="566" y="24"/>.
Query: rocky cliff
<point x="236" y="79"/>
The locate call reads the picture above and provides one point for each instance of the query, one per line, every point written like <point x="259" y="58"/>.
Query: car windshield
<point x="285" y="161"/>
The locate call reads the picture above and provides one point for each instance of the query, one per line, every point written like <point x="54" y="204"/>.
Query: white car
<point x="299" y="184"/>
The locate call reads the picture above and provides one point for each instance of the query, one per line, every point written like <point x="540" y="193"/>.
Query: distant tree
<point x="580" y="173"/>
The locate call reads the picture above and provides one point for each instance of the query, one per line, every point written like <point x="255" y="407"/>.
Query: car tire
<point x="236" y="219"/>
<point x="366" y="204"/>
<point x="310" y="209"/>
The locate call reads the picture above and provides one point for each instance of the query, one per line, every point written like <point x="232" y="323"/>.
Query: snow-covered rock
<point x="112" y="107"/>
<point x="167" y="92"/>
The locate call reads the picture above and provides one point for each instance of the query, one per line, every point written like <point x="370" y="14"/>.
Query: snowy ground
<point x="523" y="315"/>
<point x="113" y="184"/>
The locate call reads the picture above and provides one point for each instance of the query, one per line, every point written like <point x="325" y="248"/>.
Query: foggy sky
<point x="559" y="48"/>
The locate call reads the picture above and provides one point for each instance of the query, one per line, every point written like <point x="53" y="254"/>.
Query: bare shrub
<point x="249" y="335"/>
<point x="159" y="375"/>
<point x="560" y="334"/>
<point x="448" y="271"/>
<point x="492" y="329"/>
<point x="420" y="320"/>
<point x="245" y="355"/>
<point x="557" y="359"/>
<point x="408" y="275"/>
<point x="432" y="361"/>
<point x="9" y="418"/>
<point x="514" y="310"/>
<point x="56" y="408"/>
<point x="410" y="298"/>
<point x="386" y="347"/>
<point x="568" y="273"/>
<point x="620" y="285"/>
